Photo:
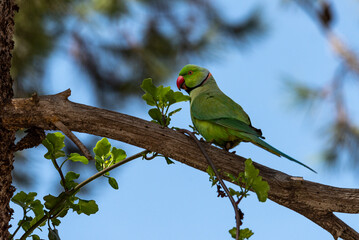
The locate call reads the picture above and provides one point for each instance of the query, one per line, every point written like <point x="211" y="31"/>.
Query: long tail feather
<point x="260" y="143"/>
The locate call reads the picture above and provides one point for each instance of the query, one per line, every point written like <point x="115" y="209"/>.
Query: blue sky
<point x="156" y="201"/>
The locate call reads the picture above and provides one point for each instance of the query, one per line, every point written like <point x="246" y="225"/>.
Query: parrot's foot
<point x="228" y="146"/>
<point x="204" y="140"/>
<point x="227" y="149"/>
<point x="210" y="142"/>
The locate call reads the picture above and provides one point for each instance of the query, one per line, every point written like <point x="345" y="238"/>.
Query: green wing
<point x="223" y="111"/>
<point x="237" y="125"/>
<point x="220" y="106"/>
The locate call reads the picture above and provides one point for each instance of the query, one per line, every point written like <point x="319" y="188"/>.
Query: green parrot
<point x="217" y="117"/>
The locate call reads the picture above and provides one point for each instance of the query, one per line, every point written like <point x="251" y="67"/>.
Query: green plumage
<point x="217" y="117"/>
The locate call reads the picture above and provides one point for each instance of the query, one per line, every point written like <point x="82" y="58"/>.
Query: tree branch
<point x="74" y="139"/>
<point x="315" y="201"/>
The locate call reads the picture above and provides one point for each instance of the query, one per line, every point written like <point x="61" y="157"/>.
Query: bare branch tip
<point x="35" y="98"/>
<point x="65" y="94"/>
<point x="297" y="178"/>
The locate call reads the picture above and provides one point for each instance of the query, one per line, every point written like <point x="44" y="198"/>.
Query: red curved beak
<point x="180" y="83"/>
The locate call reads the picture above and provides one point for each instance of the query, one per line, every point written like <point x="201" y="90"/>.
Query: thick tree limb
<point x="315" y="201"/>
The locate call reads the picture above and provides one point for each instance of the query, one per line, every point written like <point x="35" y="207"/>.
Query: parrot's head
<point x="191" y="77"/>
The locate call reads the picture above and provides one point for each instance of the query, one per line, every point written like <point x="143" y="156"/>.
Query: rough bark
<point x="7" y="137"/>
<point x="315" y="201"/>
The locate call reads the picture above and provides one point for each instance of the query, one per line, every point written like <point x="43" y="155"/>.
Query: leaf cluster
<point x="54" y="143"/>
<point x="29" y="204"/>
<point x="161" y="98"/>
<point x="60" y="205"/>
<point x="245" y="233"/>
<point x="251" y="180"/>
<point x="56" y="207"/>
<point x="247" y="180"/>
<point x="106" y="156"/>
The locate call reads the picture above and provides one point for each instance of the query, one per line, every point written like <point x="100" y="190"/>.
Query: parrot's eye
<point x="190" y="73"/>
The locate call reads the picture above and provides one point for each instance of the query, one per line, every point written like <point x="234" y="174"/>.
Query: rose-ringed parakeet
<point x="217" y="117"/>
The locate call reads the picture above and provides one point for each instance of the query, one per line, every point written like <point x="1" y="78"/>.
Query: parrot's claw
<point x="234" y="152"/>
<point x="228" y="146"/>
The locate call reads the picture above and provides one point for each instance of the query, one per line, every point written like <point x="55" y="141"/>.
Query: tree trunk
<point x="7" y="138"/>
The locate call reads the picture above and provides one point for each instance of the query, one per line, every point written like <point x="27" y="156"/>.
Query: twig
<point x="151" y="157"/>
<point x="102" y="172"/>
<point x="210" y="162"/>
<point x="76" y="189"/>
<point x="60" y="172"/>
<point x="19" y="225"/>
<point x="72" y="136"/>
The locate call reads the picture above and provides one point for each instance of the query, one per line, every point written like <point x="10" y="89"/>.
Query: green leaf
<point x="180" y="97"/>
<point x="156" y="115"/>
<point x="212" y="175"/>
<point x="148" y="87"/>
<point x="98" y="166"/>
<point x="169" y="161"/>
<point x="27" y="201"/>
<point x="53" y="234"/>
<point x="174" y="111"/>
<point x="63" y="212"/>
<point x="99" y="159"/>
<point x="232" y="177"/>
<point x="162" y="93"/>
<point x="168" y="96"/>
<point x="87" y="207"/>
<point x="113" y="182"/>
<point x="117" y="155"/>
<point x="38" y="209"/>
<point x="102" y="148"/>
<point x="254" y="181"/>
<point x="22" y="199"/>
<point x="176" y="97"/>
<point x="233" y="232"/>
<point x="49" y="147"/>
<point x="168" y="120"/>
<point x="55" y="221"/>
<point x="25" y="224"/>
<point x="234" y="192"/>
<point x="50" y="201"/>
<point x="243" y="233"/>
<point x="149" y="99"/>
<point x="150" y="90"/>
<point x="54" y="142"/>
<point x="210" y="171"/>
<point x="35" y="237"/>
<point x="69" y="178"/>
<point x="75" y="157"/>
